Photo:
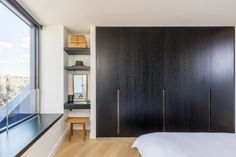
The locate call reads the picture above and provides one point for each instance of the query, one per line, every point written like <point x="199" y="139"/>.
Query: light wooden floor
<point x="100" y="147"/>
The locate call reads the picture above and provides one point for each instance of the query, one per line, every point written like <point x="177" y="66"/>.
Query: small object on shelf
<point x="79" y="63"/>
<point x="77" y="45"/>
<point x="79" y="66"/>
<point x="77" y="41"/>
<point x="70" y="98"/>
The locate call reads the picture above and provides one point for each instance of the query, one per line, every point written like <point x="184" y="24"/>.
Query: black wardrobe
<point x="173" y="79"/>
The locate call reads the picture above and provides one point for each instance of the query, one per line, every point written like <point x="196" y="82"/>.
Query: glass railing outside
<point x="19" y="109"/>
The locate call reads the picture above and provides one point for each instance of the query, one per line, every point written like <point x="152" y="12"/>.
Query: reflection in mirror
<point x="80" y="87"/>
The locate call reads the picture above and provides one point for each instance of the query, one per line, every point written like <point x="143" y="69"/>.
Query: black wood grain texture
<point x="184" y="62"/>
<point x="223" y="108"/>
<point x="187" y="76"/>
<point x="107" y="41"/>
<point x="140" y="85"/>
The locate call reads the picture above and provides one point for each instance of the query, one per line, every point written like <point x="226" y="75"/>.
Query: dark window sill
<point x="14" y="120"/>
<point x="20" y="138"/>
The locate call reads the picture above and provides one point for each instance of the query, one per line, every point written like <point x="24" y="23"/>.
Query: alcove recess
<point x="71" y="55"/>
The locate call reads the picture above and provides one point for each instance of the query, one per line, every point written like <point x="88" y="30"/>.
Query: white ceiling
<point x="78" y="15"/>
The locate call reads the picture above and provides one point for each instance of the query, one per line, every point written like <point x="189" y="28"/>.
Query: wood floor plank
<point x="100" y="147"/>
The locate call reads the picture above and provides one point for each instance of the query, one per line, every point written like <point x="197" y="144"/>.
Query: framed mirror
<point x="80" y="87"/>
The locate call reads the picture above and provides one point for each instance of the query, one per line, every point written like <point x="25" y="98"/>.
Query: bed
<point x="186" y="145"/>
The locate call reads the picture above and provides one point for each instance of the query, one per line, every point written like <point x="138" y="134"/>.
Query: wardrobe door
<point x="107" y="58"/>
<point x="140" y="81"/>
<point x="127" y="89"/>
<point x="155" y="79"/>
<point x="187" y="80"/>
<point x="223" y="109"/>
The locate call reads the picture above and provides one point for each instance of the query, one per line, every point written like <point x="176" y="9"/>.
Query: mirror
<point x="80" y="87"/>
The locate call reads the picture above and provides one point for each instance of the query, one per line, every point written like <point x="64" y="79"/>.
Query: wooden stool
<point x="77" y="120"/>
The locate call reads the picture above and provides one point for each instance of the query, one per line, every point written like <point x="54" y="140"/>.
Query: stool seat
<point x="77" y="120"/>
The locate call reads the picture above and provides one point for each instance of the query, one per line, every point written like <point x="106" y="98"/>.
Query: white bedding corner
<point x="186" y="145"/>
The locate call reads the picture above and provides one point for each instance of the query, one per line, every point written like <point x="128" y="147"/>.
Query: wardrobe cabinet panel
<point x="140" y="82"/>
<point x="175" y="79"/>
<point x="107" y="43"/>
<point x="223" y="108"/>
<point x="188" y="56"/>
<point x="155" y="67"/>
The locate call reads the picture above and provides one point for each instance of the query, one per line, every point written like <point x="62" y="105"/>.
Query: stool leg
<point x="84" y="131"/>
<point x="71" y="131"/>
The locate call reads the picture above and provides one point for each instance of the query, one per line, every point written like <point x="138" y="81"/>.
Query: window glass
<point x="17" y="69"/>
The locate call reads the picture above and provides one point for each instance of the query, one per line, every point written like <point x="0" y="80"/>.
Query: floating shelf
<point x="74" y="68"/>
<point x="77" y="105"/>
<point x="77" y="51"/>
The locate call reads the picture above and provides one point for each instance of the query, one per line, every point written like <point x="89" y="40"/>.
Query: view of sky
<point x="14" y="44"/>
<point x="78" y="82"/>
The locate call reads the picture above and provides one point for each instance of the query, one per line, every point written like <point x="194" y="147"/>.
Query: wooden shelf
<point x="77" y="51"/>
<point x="77" y="105"/>
<point x="74" y="68"/>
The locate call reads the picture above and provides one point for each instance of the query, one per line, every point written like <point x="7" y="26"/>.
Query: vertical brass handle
<point x="118" y="110"/>
<point x="163" y="109"/>
<point x="209" y="110"/>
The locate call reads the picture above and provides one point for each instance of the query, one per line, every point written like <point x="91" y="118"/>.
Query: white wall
<point x="52" y="69"/>
<point x="47" y="145"/>
<point x="52" y="83"/>
<point x="93" y="81"/>
<point x="66" y="56"/>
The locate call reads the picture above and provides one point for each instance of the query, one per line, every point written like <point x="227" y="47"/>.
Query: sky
<point x="78" y="81"/>
<point x="14" y="44"/>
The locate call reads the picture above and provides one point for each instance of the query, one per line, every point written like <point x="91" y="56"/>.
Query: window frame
<point x="19" y="11"/>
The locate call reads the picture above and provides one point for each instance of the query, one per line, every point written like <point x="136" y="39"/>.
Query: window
<point x="18" y="70"/>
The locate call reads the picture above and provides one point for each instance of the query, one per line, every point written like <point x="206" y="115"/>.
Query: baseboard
<point x="57" y="145"/>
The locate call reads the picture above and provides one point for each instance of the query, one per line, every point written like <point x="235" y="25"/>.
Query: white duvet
<point x="186" y="145"/>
